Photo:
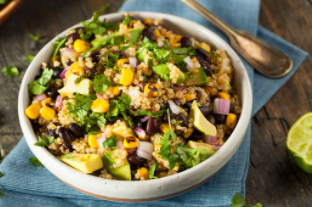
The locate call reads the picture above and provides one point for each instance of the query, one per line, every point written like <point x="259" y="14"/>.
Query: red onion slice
<point x="221" y="106"/>
<point x="58" y="102"/>
<point x="101" y="139"/>
<point x="145" y="118"/>
<point x="64" y="72"/>
<point x="133" y="62"/>
<point x="140" y="132"/>
<point x="120" y="145"/>
<point x="189" y="62"/>
<point x="145" y="150"/>
<point x="68" y="53"/>
<point x="40" y="97"/>
<point x="160" y="43"/>
<point x="174" y="107"/>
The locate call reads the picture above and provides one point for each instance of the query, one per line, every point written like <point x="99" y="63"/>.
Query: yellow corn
<point x="131" y="142"/>
<point x="189" y="97"/>
<point x="47" y="113"/>
<point x="46" y="101"/>
<point x="33" y="111"/>
<point x="188" y="133"/>
<point x="176" y="45"/>
<point x="151" y="89"/>
<point x="122" y="61"/>
<point x="148" y="21"/>
<point x="156" y="33"/>
<point x="164" y="127"/>
<point x="56" y="57"/>
<point x="115" y="90"/>
<point x="132" y="22"/>
<point x="231" y="120"/>
<point x="77" y="68"/>
<point x="59" y="140"/>
<point x="224" y="95"/>
<point x="100" y="106"/>
<point x="145" y="138"/>
<point x="143" y="173"/>
<point x="205" y="46"/>
<point x="162" y="174"/>
<point x="126" y="76"/>
<point x="92" y="141"/>
<point x="212" y="91"/>
<point x="81" y="45"/>
<point x="178" y="38"/>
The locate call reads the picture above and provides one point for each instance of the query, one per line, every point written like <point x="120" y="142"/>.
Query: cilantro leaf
<point x="113" y="110"/>
<point x="58" y="44"/>
<point x="10" y="71"/>
<point x="149" y="44"/>
<point x="45" y="77"/>
<point x="29" y="58"/>
<point x="148" y="113"/>
<point x="34" y="161"/>
<point x="101" y="83"/>
<point x="151" y="172"/>
<point x="3" y="1"/>
<point x="44" y="141"/>
<point x="126" y="20"/>
<point x="96" y="43"/>
<point x="110" y="142"/>
<point x="183" y="50"/>
<point x="239" y="201"/>
<point x="214" y="54"/>
<point x="124" y="47"/>
<point x="166" y="43"/>
<point x="95" y="25"/>
<point x="161" y="55"/>
<point x="34" y="37"/>
<point x="179" y="61"/>
<point x="38" y="86"/>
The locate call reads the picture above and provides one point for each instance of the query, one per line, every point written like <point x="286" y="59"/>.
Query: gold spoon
<point x="261" y="56"/>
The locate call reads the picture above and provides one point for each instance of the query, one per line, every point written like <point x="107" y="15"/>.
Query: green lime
<point x="299" y="142"/>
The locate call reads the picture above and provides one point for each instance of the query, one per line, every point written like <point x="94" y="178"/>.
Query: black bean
<point x="202" y="54"/>
<point x="69" y="62"/>
<point x="188" y="104"/>
<point x="57" y="72"/>
<point x="52" y="92"/>
<point x="136" y="160"/>
<point x="211" y="119"/>
<point x="165" y="116"/>
<point x="232" y="108"/>
<point x="205" y="110"/>
<point x="149" y="33"/>
<point x="183" y="118"/>
<point x="142" y="86"/>
<point x="206" y="67"/>
<point x="220" y="119"/>
<point x="51" y="132"/>
<point x="152" y="126"/>
<point x="76" y="130"/>
<point x="196" y="135"/>
<point x="198" y="95"/>
<point x="73" y="36"/>
<point x="95" y="56"/>
<point x="66" y="137"/>
<point x="186" y="42"/>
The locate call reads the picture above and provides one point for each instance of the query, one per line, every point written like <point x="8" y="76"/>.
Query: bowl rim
<point x="45" y="156"/>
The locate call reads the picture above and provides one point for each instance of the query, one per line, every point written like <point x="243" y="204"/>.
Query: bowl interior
<point x="150" y="189"/>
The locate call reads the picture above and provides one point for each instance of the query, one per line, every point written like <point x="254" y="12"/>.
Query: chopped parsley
<point x="34" y="161"/>
<point x="10" y="71"/>
<point x="183" y="50"/>
<point x="161" y="55"/>
<point x="34" y="37"/>
<point x="96" y="43"/>
<point x="101" y="83"/>
<point x="44" y="141"/>
<point x="58" y="44"/>
<point x="119" y="107"/>
<point x="214" y="54"/>
<point x="95" y="26"/>
<point x="38" y="86"/>
<point x="126" y="20"/>
<point x="110" y="142"/>
<point x="179" y="62"/>
<point x="239" y="201"/>
<point x="124" y="47"/>
<point x="148" y="113"/>
<point x="166" y="43"/>
<point x="3" y="1"/>
<point x="151" y="172"/>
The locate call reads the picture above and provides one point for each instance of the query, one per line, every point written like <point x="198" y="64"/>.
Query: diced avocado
<point x="163" y="71"/>
<point x="198" y="78"/>
<point x="86" y="163"/>
<point x="200" y="122"/>
<point x="83" y="87"/>
<point x="123" y="131"/>
<point x="141" y="54"/>
<point x="205" y="150"/>
<point x="181" y="78"/>
<point x="135" y="34"/>
<point x="118" y="39"/>
<point x="119" y="173"/>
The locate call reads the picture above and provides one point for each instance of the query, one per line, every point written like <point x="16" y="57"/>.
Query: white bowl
<point x="151" y="189"/>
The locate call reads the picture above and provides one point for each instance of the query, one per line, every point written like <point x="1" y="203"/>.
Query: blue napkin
<point x="29" y="186"/>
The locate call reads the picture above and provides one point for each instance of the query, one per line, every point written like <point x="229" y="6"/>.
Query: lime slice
<point x="299" y="142"/>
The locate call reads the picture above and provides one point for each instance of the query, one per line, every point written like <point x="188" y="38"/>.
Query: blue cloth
<point x="29" y="186"/>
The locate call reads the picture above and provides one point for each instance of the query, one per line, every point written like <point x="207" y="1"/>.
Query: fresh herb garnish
<point x="148" y="113"/>
<point x="95" y="26"/>
<point x="161" y="55"/>
<point x="214" y="54"/>
<point x="179" y="62"/>
<point x="34" y="161"/>
<point x="124" y="47"/>
<point x="68" y="156"/>
<point x="34" y="37"/>
<point x="80" y="78"/>
<point x="10" y="71"/>
<point x="39" y="85"/>
<point x="166" y="43"/>
<point x="29" y="58"/>
<point x="183" y="50"/>
<point x="190" y="75"/>
<point x="96" y="43"/>
<point x="110" y="142"/>
<point x="151" y="172"/>
<point x="44" y="141"/>
<point x="239" y="201"/>
<point x="3" y="1"/>
<point x="58" y="44"/>
<point x="126" y="20"/>
<point x="1" y="174"/>
<point x="149" y="44"/>
<point x="101" y="83"/>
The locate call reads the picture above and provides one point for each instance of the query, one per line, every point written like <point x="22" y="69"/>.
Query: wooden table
<point x="272" y="179"/>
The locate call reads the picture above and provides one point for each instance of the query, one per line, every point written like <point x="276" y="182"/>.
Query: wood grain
<point x="272" y="179"/>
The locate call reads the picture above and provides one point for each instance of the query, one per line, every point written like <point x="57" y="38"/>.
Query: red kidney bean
<point x="152" y="126"/>
<point x="136" y="160"/>
<point x="76" y="130"/>
<point x="142" y="86"/>
<point x="186" y="42"/>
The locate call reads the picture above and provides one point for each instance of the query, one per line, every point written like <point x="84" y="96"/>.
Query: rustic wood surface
<point x="272" y="179"/>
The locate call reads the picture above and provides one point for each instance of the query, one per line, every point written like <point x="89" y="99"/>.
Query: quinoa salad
<point x="132" y="100"/>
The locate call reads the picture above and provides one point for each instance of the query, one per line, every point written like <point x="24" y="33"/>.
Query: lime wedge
<point x="299" y="142"/>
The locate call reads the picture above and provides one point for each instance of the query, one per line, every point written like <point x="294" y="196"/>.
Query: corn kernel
<point x="231" y="120"/>
<point x="178" y="38"/>
<point x="156" y="33"/>
<point x="224" y="95"/>
<point x="46" y="101"/>
<point x="59" y="140"/>
<point x="143" y="173"/>
<point x="205" y="46"/>
<point x="151" y="89"/>
<point x="126" y="76"/>
<point x="54" y="58"/>
<point x="131" y="142"/>
<point x="132" y="22"/>
<point x="189" y="97"/>
<point x="81" y="45"/>
<point x="148" y="21"/>
<point x="176" y="45"/>
<point x="33" y="111"/>
<point x="100" y="106"/>
<point x="212" y="91"/>
<point x="188" y="133"/>
<point x="145" y="138"/>
<point x="164" y="127"/>
<point x="115" y="90"/>
<point x="47" y="113"/>
<point x="122" y="61"/>
<point x="92" y="141"/>
<point x="77" y="68"/>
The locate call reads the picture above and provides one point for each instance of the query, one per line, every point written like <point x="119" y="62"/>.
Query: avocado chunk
<point x="205" y="150"/>
<point x="118" y="39"/>
<point x="83" y="87"/>
<point x="163" y="71"/>
<point x="197" y="79"/>
<point x="135" y="34"/>
<point x="200" y="122"/>
<point x="86" y="163"/>
<point x="119" y="173"/>
<point x="141" y="54"/>
<point x="123" y="131"/>
<point x="181" y="78"/>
